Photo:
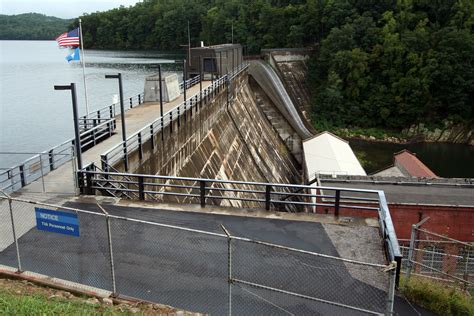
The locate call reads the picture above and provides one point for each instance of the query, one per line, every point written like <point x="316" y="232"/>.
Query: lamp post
<point x="77" y="139"/>
<point x="122" y="115"/>
<point x="161" y="103"/>
<point x="184" y="83"/>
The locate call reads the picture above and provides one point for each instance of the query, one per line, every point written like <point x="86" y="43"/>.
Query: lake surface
<point x="33" y="116"/>
<point x="445" y="160"/>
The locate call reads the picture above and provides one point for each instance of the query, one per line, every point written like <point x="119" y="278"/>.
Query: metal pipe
<point x="14" y="235"/>
<point x="161" y="103"/>
<point x="229" y="268"/>
<point x="304" y="296"/>
<point x="111" y="251"/>
<point x="391" y="289"/>
<point x="42" y="173"/>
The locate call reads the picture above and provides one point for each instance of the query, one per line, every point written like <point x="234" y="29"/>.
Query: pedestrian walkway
<point x="61" y="180"/>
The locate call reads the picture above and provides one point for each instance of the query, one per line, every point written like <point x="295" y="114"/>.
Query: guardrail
<point x="35" y="167"/>
<point x="189" y="83"/>
<point x="259" y="194"/>
<point x="110" y="111"/>
<point x="136" y="140"/>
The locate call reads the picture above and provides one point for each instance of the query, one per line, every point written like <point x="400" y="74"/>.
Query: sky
<point x="65" y="9"/>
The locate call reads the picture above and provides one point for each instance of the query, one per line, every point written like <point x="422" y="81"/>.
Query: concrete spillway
<point x="229" y="138"/>
<point x="268" y="79"/>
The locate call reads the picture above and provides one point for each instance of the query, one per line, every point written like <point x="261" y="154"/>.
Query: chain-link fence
<point x="438" y="257"/>
<point x="194" y="270"/>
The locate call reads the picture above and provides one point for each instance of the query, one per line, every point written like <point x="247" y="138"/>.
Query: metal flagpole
<point x="83" y="66"/>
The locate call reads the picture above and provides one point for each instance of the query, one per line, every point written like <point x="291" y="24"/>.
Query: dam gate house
<point x="217" y="60"/>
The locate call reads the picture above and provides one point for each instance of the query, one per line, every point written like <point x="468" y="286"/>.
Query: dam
<point x="201" y="195"/>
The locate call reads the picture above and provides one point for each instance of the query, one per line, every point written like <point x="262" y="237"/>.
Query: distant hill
<point x="31" y="26"/>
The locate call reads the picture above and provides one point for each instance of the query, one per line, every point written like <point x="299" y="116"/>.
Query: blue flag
<point x="74" y="55"/>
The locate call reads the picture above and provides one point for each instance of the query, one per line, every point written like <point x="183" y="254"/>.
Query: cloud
<point x="60" y="8"/>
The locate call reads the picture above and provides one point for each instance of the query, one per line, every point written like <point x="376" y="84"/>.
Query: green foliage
<point x="31" y="26"/>
<point x="437" y="297"/>
<point x="384" y="64"/>
<point x="395" y="64"/>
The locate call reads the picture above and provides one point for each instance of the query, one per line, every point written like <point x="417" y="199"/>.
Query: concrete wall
<point x="229" y="141"/>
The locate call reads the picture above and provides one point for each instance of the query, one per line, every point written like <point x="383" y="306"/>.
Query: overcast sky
<point x="61" y="8"/>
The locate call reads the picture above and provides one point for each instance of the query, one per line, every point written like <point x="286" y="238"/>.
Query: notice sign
<point x="57" y="222"/>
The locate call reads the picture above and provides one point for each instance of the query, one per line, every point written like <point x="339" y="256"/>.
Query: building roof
<point x="326" y="153"/>
<point x="406" y="164"/>
<point x="412" y="165"/>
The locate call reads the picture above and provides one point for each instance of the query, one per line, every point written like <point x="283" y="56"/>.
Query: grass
<point x="20" y="297"/>
<point x="437" y="297"/>
<point x="36" y="304"/>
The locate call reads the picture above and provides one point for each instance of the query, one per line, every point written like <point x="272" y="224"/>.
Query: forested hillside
<point x="31" y="26"/>
<point x="378" y="63"/>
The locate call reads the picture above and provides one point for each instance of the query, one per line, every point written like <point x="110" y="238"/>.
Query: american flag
<point x="68" y="39"/>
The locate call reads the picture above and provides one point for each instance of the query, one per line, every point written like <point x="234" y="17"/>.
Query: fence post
<point x="42" y="173"/>
<point x="141" y="188"/>
<point x="229" y="267"/>
<point x="131" y="103"/>
<point x="171" y="122"/>
<point x="152" y="138"/>
<point x="22" y="175"/>
<point x="336" y="203"/>
<point x="51" y="160"/>
<point x="178" y="118"/>
<point x="14" y="235"/>
<point x="268" y="190"/>
<point x="125" y="156"/>
<point x="391" y="290"/>
<point x="139" y="99"/>
<point x="112" y="266"/>
<point x="140" y="146"/>
<point x="411" y="251"/>
<point x="202" y="191"/>
<point x="89" y="190"/>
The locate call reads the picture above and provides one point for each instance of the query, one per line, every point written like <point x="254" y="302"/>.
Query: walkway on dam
<point x="61" y="180"/>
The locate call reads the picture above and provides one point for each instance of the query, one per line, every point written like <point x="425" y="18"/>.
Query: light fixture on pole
<point x="77" y="138"/>
<point x="122" y="115"/>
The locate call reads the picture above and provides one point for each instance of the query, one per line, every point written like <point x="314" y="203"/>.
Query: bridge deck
<point x="61" y="179"/>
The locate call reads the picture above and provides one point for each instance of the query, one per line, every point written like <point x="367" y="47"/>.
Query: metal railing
<point x="35" y="167"/>
<point x="197" y="270"/>
<point x="110" y="111"/>
<point x="238" y="193"/>
<point x="135" y="141"/>
<point x="41" y="163"/>
<point x="189" y="83"/>
<point x="94" y="128"/>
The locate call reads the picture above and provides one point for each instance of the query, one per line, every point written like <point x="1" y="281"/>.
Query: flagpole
<point x="83" y="66"/>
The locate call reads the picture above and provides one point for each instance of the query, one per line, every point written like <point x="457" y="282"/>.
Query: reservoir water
<point x="33" y="116"/>
<point x="446" y="160"/>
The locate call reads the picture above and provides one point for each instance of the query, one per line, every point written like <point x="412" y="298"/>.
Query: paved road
<point x="189" y="270"/>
